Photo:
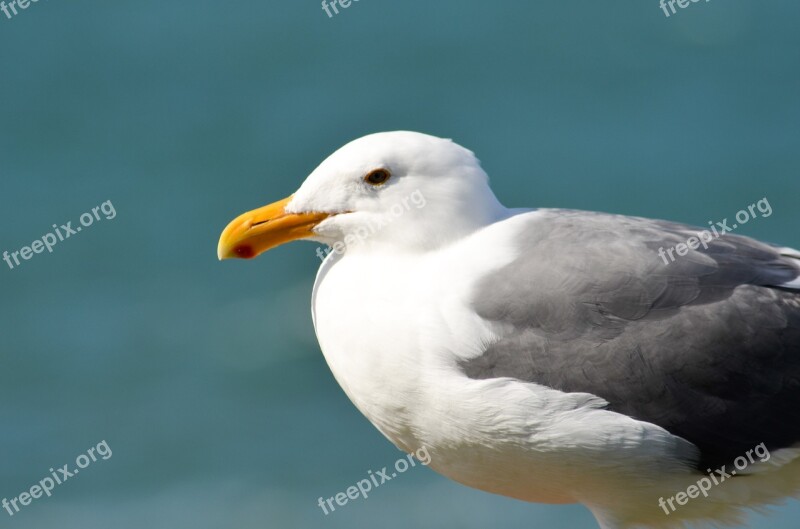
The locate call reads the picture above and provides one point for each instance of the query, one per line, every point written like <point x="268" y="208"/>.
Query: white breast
<point x="392" y="325"/>
<point x="385" y="325"/>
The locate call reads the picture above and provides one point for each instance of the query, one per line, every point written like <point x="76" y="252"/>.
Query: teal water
<point x="204" y="378"/>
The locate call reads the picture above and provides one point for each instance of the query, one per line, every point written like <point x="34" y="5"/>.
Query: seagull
<point x="549" y="355"/>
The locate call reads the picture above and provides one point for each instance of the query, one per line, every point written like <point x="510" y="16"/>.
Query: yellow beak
<point x="257" y="231"/>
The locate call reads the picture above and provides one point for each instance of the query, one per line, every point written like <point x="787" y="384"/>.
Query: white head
<point x="402" y="191"/>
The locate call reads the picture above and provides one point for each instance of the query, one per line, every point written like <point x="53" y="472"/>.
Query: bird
<point x="549" y="355"/>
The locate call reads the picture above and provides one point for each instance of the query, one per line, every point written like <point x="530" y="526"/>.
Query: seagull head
<point x="401" y="191"/>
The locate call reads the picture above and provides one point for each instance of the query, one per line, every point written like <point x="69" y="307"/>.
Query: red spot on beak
<point x="244" y="251"/>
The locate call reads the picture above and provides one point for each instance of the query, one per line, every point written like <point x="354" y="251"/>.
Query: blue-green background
<point x="205" y="378"/>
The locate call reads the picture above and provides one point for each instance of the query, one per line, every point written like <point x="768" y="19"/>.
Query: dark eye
<point x="377" y="177"/>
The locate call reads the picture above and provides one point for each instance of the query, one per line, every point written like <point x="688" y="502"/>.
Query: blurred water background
<point x="205" y="378"/>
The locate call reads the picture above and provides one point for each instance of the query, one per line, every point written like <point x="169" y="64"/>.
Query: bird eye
<point x="377" y="177"/>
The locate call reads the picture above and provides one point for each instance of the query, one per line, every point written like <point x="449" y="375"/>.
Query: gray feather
<point x="707" y="346"/>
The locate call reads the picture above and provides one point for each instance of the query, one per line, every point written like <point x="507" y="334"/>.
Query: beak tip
<point x="225" y="252"/>
<point x="242" y="251"/>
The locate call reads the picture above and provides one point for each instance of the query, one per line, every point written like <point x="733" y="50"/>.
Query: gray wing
<point x="707" y="346"/>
